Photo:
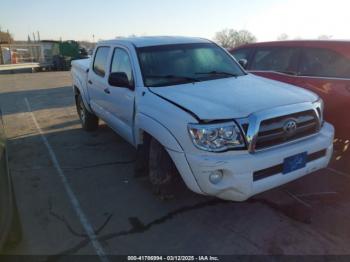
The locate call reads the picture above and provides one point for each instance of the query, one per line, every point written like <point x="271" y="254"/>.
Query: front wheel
<point x="163" y="173"/>
<point x="88" y="120"/>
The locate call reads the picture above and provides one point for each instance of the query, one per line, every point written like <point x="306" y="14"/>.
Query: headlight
<point x="216" y="137"/>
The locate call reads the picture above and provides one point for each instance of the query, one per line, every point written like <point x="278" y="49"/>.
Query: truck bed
<point x="79" y="72"/>
<point x="81" y="64"/>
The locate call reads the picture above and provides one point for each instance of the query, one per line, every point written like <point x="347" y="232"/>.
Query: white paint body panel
<point x="165" y="112"/>
<point x="234" y="97"/>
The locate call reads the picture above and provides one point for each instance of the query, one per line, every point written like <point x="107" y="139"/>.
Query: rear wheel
<point x="163" y="173"/>
<point x="88" y="120"/>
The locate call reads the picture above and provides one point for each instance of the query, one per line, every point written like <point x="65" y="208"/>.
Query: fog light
<point x="216" y="176"/>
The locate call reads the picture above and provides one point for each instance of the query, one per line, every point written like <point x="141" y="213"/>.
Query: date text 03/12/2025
<point x="173" y="258"/>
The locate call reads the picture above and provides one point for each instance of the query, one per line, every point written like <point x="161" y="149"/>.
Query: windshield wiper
<point x="216" y="73"/>
<point x="187" y="78"/>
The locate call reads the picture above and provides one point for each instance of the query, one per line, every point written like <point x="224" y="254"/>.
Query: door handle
<point x="106" y="90"/>
<point x="90" y="82"/>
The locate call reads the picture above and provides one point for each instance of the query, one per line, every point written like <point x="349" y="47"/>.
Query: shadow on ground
<point x="59" y="98"/>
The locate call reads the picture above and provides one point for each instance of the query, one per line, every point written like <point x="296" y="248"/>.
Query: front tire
<point x="163" y="173"/>
<point x="89" y="121"/>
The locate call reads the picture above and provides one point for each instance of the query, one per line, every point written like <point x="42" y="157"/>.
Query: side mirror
<point x="243" y="63"/>
<point x="119" y="79"/>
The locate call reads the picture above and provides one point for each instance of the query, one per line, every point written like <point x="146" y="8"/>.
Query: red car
<point x="320" y="66"/>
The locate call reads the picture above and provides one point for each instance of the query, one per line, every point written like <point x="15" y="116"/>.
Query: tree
<point x="324" y="37"/>
<point x="5" y="38"/>
<point x="230" y="38"/>
<point x="282" y="37"/>
<point x="298" y="38"/>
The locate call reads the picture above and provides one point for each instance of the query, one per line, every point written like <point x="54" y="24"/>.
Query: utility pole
<point x="1" y="57"/>
<point x="38" y="36"/>
<point x="8" y="37"/>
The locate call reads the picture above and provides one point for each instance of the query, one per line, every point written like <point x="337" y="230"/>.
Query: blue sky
<point x="266" y="19"/>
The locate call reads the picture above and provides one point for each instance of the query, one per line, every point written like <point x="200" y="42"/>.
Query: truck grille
<point x="287" y="128"/>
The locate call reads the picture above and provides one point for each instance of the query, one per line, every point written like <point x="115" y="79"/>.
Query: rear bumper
<point x="238" y="183"/>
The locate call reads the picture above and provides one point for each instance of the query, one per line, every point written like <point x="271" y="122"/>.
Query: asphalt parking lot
<point x="68" y="182"/>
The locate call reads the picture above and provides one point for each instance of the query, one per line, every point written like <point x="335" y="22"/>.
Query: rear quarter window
<point x="324" y="62"/>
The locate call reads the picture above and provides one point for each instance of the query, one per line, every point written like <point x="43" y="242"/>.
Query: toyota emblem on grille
<point x="290" y="127"/>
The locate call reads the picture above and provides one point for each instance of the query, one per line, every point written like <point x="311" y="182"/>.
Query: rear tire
<point x="89" y="121"/>
<point x="163" y="173"/>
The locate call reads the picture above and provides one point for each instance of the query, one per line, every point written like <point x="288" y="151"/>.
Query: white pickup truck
<point x="191" y="110"/>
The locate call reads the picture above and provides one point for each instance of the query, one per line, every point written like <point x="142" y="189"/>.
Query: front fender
<point x="165" y="137"/>
<point x="157" y="130"/>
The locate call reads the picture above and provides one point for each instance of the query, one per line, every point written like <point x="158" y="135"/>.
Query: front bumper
<point x="238" y="167"/>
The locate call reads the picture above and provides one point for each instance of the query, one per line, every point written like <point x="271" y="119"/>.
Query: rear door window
<point x="324" y="62"/>
<point x="100" y="61"/>
<point x="280" y="59"/>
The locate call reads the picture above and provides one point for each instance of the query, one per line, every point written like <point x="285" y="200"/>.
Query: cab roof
<point x="156" y="40"/>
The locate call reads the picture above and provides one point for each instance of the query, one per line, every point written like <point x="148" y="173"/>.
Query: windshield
<point x="185" y="63"/>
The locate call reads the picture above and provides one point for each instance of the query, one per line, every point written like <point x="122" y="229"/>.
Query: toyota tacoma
<point x="194" y="112"/>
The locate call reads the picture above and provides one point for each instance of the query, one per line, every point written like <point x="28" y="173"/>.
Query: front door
<point x="120" y="99"/>
<point x="277" y="63"/>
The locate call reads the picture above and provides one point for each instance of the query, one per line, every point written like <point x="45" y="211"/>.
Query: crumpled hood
<point x="229" y="98"/>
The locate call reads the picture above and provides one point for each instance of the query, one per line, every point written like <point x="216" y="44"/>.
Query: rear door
<point x="277" y="63"/>
<point x="97" y="81"/>
<point x="327" y="73"/>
